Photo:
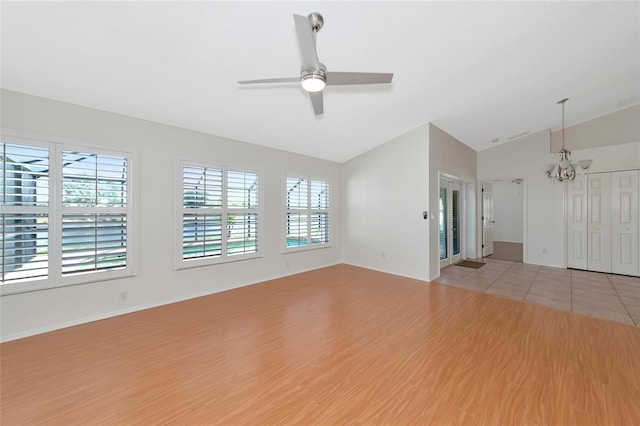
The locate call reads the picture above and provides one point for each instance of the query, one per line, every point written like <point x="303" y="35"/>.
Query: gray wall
<point x="385" y="191"/>
<point x="620" y="127"/>
<point x="158" y="147"/>
<point x="450" y="156"/>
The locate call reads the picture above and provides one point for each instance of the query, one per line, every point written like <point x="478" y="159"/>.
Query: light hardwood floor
<point x="340" y="345"/>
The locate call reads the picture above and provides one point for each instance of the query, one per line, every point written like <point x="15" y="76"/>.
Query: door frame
<point x="525" y="231"/>
<point x="485" y="219"/>
<point x="449" y="181"/>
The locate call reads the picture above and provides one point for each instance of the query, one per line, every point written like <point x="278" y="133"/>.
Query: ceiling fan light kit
<point x="312" y="81"/>
<point x="314" y="76"/>
<point x="564" y="169"/>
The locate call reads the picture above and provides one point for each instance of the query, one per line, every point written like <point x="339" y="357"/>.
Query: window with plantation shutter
<point x="94" y="212"/>
<point x="220" y="215"/>
<point x="307" y="212"/>
<point x="64" y="213"/>
<point x="25" y="212"/>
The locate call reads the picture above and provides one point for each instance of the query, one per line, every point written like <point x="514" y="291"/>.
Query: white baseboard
<point x="413" y="277"/>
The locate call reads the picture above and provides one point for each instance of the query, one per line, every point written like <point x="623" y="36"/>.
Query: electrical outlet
<point x="124" y="296"/>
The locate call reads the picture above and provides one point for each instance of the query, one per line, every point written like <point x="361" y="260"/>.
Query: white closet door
<point x="577" y="223"/>
<point x="599" y="226"/>
<point x="624" y="222"/>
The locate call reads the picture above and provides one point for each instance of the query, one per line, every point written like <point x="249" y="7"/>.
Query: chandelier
<point x="564" y="169"/>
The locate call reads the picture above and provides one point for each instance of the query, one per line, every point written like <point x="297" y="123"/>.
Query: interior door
<point x="577" y="223"/>
<point x="624" y="222"/>
<point x="487" y="219"/>
<point x="599" y="225"/>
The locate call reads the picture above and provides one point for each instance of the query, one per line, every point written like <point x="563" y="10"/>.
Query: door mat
<point x="470" y="264"/>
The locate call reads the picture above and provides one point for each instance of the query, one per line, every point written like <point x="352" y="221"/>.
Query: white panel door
<point x="599" y="226"/>
<point x="577" y="223"/>
<point x="624" y="222"/>
<point x="487" y="219"/>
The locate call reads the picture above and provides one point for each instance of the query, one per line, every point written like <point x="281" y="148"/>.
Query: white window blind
<point x="25" y="212"/>
<point x="220" y="214"/>
<point x="242" y="219"/>
<point x="94" y="215"/>
<point x="83" y="226"/>
<point x="307" y="207"/>
<point x="202" y="216"/>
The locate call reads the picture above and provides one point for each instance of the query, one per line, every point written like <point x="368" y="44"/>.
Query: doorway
<point x="451" y="223"/>
<point x="503" y="211"/>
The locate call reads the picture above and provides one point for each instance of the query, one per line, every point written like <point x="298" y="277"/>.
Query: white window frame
<point x="224" y="211"/>
<point x="308" y="211"/>
<point x="56" y="146"/>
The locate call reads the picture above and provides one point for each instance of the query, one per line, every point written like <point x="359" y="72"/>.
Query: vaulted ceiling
<point x="479" y="70"/>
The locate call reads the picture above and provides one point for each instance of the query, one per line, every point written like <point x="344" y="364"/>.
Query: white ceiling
<point x="478" y="70"/>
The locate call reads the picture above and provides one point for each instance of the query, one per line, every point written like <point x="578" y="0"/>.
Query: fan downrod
<point x="317" y="21"/>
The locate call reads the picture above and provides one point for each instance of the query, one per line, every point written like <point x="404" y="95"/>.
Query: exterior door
<point x="443" y="223"/>
<point x="450" y="222"/>
<point x="599" y="226"/>
<point x="624" y="222"/>
<point x="455" y="230"/>
<point x="577" y="223"/>
<point x="487" y="219"/>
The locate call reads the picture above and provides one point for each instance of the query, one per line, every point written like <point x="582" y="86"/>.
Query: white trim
<point x="111" y="314"/>
<point x="179" y="262"/>
<point x="308" y="211"/>
<point x="56" y="146"/>
<point x="447" y="182"/>
<point x="525" y="221"/>
<point x="388" y="271"/>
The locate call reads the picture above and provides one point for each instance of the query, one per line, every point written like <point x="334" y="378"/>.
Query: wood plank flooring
<point x="340" y="345"/>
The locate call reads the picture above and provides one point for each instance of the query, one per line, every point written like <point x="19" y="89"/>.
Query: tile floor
<point x="607" y="296"/>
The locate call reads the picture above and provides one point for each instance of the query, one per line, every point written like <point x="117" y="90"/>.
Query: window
<point x="65" y="214"/>
<point x="94" y="212"/>
<point x="219" y="215"/>
<point x="307" y="216"/>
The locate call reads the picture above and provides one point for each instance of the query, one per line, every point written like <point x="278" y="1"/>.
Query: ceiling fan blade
<point x="343" y="78"/>
<point x="272" y="80"/>
<point x="306" y="42"/>
<point x="317" y="102"/>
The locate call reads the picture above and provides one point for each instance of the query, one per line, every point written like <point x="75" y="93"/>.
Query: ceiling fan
<point x="314" y="75"/>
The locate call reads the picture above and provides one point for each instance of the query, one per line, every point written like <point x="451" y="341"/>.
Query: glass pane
<point x="242" y="190"/>
<point x="443" y="224"/>
<point x="242" y="233"/>
<point x="297" y="196"/>
<point x="319" y="228"/>
<point x="297" y="229"/>
<point x="24" y="175"/>
<point x="92" y="242"/>
<point x="319" y="194"/>
<point x="90" y="180"/>
<point x="201" y="235"/>
<point x="201" y="187"/>
<point x="24" y="246"/>
<point x="455" y="211"/>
